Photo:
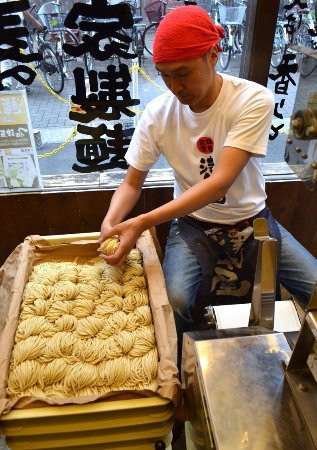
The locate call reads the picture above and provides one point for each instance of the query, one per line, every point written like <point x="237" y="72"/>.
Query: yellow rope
<point x="147" y="77"/>
<point x="56" y="150"/>
<point x="44" y="82"/>
<point x="136" y="111"/>
<point x="47" y="86"/>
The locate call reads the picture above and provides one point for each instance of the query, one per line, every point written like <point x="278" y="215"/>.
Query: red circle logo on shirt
<point x="205" y="145"/>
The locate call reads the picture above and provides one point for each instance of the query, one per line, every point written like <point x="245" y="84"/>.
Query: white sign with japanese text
<point x="19" y="168"/>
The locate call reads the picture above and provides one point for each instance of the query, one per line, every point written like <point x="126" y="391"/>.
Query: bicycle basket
<point x="53" y="21"/>
<point x="231" y="14"/>
<point x="204" y="4"/>
<point x="154" y="10"/>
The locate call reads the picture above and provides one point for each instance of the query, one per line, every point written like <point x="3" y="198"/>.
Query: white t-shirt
<point x="191" y="143"/>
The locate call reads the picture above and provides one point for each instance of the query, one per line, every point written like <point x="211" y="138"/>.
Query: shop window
<point x="293" y="79"/>
<point x="63" y="148"/>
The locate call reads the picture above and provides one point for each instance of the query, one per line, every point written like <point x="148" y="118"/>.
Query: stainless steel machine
<point x="249" y="388"/>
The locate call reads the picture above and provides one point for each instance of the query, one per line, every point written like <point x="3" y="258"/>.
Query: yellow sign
<point x="19" y="169"/>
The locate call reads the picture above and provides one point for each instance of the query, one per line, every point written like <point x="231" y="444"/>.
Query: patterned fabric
<point x="227" y="256"/>
<point x="232" y="239"/>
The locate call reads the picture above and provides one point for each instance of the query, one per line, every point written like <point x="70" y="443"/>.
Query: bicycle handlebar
<point x="32" y="8"/>
<point x="43" y="29"/>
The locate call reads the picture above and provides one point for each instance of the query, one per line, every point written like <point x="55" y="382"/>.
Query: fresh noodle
<point x="88" y="327"/>
<point x="116" y="322"/>
<point x="30" y="348"/>
<point x="65" y="290"/>
<point x="66" y="322"/>
<point x="58" y="309"/>
<point x="109" y="246"/>
<point x="110" y="306"/>
<point x="36" y="325"/>
<point x="143" y="341"/>
<point x="83" y="307"/>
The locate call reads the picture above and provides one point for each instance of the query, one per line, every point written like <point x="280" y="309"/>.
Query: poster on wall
<point x="19" y="168"/>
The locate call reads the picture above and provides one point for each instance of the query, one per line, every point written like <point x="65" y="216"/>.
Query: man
<point x="212" y="129"/>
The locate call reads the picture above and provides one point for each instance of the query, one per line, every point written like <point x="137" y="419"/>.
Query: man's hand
<point x="105" y="231"/>
<point x="128" y="232"/>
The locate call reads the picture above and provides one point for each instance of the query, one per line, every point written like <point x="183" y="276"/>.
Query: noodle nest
<point x="109" y="246"/>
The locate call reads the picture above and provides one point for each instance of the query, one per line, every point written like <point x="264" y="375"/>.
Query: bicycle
<point x="138" y="40"/>
<point x="231" y="19"/>
<point x="306" y="37"/>
<point x="279" y="44"/>
<point x="137" y="34"/>
<point x="307" y="64"/>
<point x="293" y="35"/>
<point x="58" y="35"/>
<point x="50" y="63"/>
<point x="155" y="11"/>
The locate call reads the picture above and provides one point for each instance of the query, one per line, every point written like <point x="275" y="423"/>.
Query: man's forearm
<point x="122" y="202"/>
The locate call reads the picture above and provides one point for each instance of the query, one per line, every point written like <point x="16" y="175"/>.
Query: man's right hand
<point x="121" y="205"/>
<point x="128" y="232"/>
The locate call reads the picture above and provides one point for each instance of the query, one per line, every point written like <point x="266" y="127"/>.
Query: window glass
<point x="53" y="99"/>
<point x="293" y="79"/>
<point x="54" y="96"/>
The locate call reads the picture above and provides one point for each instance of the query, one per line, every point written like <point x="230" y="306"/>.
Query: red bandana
<point x="185" y="33"/>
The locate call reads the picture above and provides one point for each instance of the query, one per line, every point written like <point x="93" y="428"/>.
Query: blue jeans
<point x="298" y="274"/>
<point x="298" y="268"/>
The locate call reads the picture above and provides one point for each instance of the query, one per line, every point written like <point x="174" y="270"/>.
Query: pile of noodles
<point x="84" y="330"/>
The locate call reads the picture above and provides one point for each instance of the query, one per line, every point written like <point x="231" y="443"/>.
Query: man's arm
<point x="123" y="200"/>
<point x="229" y="165"/>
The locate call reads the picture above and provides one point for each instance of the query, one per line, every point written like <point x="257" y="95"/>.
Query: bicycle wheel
<point x="224" y="56"/>
<point x="89" y="62"/>
<point x="306" y="65"/>
<point x="148" y="37"/>
<point x="238" y="38"/>
<point x="87" y="59"/>
<point x="51" y="66"/>
<point x="31" y="42"/>
<point x="138" y="46"/>
<point x="69" y="38"/>
<point x="278" y="46"/>
<point x="302" y="37"/>
<point x="57" y="39"/>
